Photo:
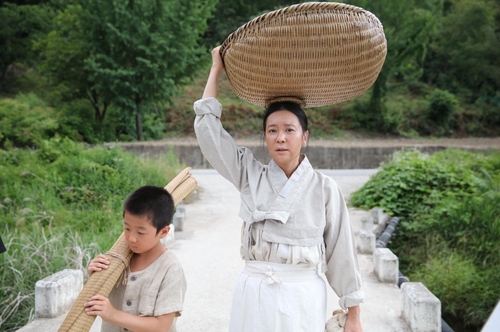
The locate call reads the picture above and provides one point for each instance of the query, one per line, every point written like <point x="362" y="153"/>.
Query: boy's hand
<point x="99" y="263"/>
<point x="99" y="305"/>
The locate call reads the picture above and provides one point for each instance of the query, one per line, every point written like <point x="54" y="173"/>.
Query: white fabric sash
<point x="279" y="273"/>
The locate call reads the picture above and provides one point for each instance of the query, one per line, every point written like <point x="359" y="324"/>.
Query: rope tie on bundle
<point x="125" y="263"/>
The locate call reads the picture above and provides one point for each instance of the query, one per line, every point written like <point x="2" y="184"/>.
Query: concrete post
<point x="382" y="224"/>
<point x="366" y="242"/>
<point x="380" y="219"/>
<point x="367" y="224"/>
<point x="55" y="294"/>
<point x="179" y="216"/>
<point x="386" y="265"/>
<point x="421" y="308"/>
<point x="376" y="214"/>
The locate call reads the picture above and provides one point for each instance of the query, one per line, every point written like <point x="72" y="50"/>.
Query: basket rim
<point x="287" y="10"/>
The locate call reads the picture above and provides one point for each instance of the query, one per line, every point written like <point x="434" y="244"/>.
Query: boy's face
<point x="141" y="234"/>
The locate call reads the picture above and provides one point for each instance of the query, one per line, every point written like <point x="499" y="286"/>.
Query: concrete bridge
<point x="208" y="245"/>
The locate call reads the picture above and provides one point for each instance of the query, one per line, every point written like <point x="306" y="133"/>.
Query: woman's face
<point x="284" y="139"/>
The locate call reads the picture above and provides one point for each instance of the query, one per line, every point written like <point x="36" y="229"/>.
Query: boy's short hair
<point x="154" y="202"/>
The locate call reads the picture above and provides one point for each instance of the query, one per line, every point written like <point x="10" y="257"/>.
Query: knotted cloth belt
<point x="281" y="216"/>
<point x="280" y="273"/>
<point x="257" y="216"/>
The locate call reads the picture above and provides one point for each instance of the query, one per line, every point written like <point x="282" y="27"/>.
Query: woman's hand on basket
<point x="99" y="263"/>
<point x="217" y="63"/>
<point x="99" y="305"/>
<point x="213" y="77"/>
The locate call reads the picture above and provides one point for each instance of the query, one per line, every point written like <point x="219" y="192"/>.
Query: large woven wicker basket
<point x="119" y="257"/>
<point x="315" y="53"/>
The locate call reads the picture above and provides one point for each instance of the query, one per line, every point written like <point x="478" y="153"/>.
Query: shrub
<point x="25" y="121"/>
<point x="402" y="115"/>
<point x="77" y="122"/>
<point x="449" y="235"/>
<point x="357" y="115"/>
<point x="438" y="118"/>
<point x="413" y="180"/>
<point x="471" y="223"/>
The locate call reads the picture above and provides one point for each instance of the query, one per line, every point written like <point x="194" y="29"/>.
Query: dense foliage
<point x="114" y="67"/>
<point x="127" y="54"/>
<point x="26" y="121"/>
<point x="449" y="237"/>
<point x="229" y="15"/>
<point x="415" y="94"/>
<point x="60" y="205"/>
<point x="20" y="25"/>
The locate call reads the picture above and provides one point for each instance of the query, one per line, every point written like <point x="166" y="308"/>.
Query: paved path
<point x="208" y="248"/>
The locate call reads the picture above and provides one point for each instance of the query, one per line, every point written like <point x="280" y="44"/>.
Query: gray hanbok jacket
<point x="306" y="209"/>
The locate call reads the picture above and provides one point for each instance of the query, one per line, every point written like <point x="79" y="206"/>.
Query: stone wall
<point x="320" y="156"/>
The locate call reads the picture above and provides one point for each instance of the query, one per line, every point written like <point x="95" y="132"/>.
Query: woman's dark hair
<point x="154" y="202"/>
<point x="286" y="106"/>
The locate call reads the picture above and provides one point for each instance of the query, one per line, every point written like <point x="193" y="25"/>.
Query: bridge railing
<point x="421" y="308"/>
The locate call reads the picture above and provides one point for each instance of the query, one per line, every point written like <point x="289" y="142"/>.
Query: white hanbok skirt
<point x="278" y="297"/>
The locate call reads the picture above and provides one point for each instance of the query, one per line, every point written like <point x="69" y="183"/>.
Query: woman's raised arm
<point x="213" y="77"/>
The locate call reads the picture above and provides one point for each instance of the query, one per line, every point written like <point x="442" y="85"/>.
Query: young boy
<point x="154" y="292"/>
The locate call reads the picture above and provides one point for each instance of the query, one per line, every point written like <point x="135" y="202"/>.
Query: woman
<point x="296" y="223"/>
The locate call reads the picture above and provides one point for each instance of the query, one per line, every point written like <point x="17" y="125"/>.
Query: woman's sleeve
<point x="341" y="258"/>
<point x="217" y="146"/>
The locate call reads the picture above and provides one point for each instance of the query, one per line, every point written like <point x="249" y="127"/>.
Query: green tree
<point x="466" y="52"/>
<point x="409" y="27"/>
<point x="24" y="2"/>
<point x="229" y="15"/>
<point x="19" y="26"/>
<point x="63" y="51"/>
<point x="130" y="54"/>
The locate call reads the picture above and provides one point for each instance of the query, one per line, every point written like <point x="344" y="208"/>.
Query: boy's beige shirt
<point x="157" y="290"/>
